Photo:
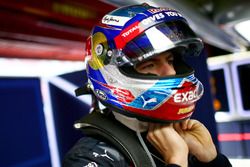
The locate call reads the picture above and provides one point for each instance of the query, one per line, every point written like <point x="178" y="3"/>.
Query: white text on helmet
<point x="158" y="10"/>
<point x="173" y="14"/>
<point x="130" y="31"/>
<point x="185" y="97"/>
<point x="153" y="18"/>
<point x="160" y="16"/>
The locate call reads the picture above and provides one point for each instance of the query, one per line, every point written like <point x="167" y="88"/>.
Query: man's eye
<point x="148" y="66"/>
<point x="171" y="62"/>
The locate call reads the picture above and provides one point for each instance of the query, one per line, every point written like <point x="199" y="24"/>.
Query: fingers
<point x="182" y="126"/>
<point x="152" y="138"/>
<point x="157" y="136"/>
<point x="188" y="124"/>
<point x="156" y="126"/>
<point x="153" y="130"/>
<point x="168" y="142"/>
<point x="178" y="128"/>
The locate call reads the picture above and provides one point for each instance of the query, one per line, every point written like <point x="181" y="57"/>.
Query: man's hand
<point x="169" y="143"/>
<point x="198" y="139"/>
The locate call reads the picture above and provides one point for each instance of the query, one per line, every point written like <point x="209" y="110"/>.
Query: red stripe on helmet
<point x="128" y="34"/>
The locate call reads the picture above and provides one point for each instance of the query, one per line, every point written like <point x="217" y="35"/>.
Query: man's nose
<point x="166" y="69"/>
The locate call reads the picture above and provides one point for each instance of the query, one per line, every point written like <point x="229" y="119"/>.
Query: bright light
<point x="243" y="29"/>
<point x="240" y="162"/>
<point x="37" y="68"/>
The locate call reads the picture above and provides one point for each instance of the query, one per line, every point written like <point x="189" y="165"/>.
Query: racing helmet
<point x="130" y="35"/>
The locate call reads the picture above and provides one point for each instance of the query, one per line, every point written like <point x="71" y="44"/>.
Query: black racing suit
<point x="96" y="151"/>
<point x="91" y="152"/>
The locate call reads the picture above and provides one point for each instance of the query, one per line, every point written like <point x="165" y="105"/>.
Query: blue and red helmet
<point x="131" y="35"/>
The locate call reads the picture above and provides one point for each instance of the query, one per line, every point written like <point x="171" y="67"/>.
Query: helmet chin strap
<point x="132" y="123"/>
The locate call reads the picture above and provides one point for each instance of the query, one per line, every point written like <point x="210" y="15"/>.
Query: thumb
<point x="178" y="129"/>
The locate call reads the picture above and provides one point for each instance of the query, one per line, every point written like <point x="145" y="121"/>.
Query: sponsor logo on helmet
<point x="114" y="20"/>
<point x="160" y="16"/>
<point x="122" y="95"/>
<point x="99" y="49"/>
<point x="156" y="10"/>
<point x="173" y="14"/>
<point x="130" y="31"/>
<point x="185" y="97"/>
<point x="146" y="102"/>
<point x="100" y="94"/>
<point x="128" y="34"/>
<point x="186" y="109"/>
<point x="155" y="17"/>
<point x="137" y="28"/>
<point x="144" y="56"/>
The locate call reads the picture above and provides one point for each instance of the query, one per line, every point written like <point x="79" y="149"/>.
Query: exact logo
<point x="185" y="97"/>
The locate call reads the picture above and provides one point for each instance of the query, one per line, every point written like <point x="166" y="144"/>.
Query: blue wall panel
<point x="23" y="140"/>
<point x="66" y="109"/>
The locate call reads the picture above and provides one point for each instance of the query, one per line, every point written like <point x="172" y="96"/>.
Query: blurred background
<point x="42" y="63"/>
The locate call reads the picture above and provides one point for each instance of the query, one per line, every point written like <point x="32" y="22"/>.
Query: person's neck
<point x="132" y="123"/>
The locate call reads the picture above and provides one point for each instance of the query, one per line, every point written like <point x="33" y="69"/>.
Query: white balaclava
<point x="131" y="123"/>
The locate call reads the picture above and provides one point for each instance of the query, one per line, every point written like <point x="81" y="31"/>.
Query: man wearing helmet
<point x="135" y="68"/>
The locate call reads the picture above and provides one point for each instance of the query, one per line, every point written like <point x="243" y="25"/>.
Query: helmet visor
<point x="160" y="38"/>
